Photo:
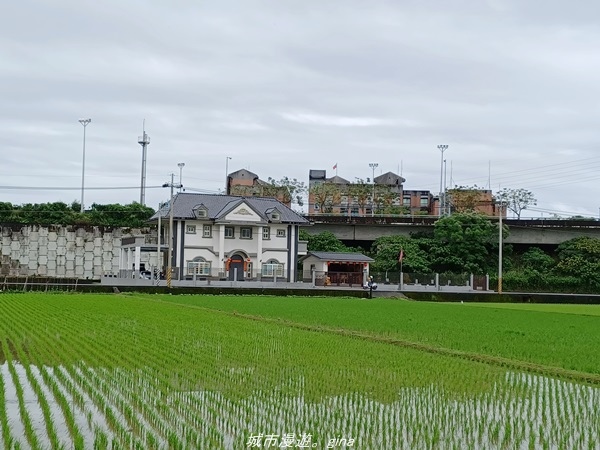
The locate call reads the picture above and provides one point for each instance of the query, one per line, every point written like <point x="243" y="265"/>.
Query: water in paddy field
<point x="116" y="405"/>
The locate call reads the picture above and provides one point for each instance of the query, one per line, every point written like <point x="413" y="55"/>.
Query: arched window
<point x="272" y="268"/>
<point x="198" y="266"/>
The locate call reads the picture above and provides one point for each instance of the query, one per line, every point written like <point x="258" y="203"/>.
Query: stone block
<point x="88" y="266"/>
<point x="70" y="236"/>
<point x="52" y="254"/>
<point x="70" y="273"/>
<point x="42" y="260"/>
<point x="33" y="245"/>
<point x="51" y="265"/>
<point x="78" y="271"/>
<point x="61" y="251"/>
<point x="61" y="241"/>
<point x="33" y="264"/>
<point x="52" y="236"/>
<point x="61" y="271"/>
<point x="70" y="265"/>
<point x="79" y="241"/>
<point x="61" y="260"/>
<point x="43" y="231"/>
<point x="52" y="245"/>
<point x="88" y="256"/>
<point x="79" y="260"/>
<point x="15" y="245"/>
<point x="43" y="241"/>
<point x="89" y="246"/>
<point x="42" y="270"/>
<point x="24" y="259"/>
<point x="43" y="250"/>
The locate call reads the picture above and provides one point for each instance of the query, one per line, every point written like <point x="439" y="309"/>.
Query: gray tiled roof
<point x="219" y="205"/>
<point x="340" y="256"/>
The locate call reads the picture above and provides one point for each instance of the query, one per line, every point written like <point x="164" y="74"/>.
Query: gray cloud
<point x="284" y="87"/>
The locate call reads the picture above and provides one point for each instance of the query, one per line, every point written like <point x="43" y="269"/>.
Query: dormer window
<point x="200" y="212"/>
<point x="274" y="215"/>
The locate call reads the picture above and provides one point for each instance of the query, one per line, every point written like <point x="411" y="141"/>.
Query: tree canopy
<point x="59" y="213"/>
<point x="517" y="200"/>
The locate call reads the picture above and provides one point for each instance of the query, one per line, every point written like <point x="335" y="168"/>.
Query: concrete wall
<point x="64" y="251"/>
<point x="517" y="235"/>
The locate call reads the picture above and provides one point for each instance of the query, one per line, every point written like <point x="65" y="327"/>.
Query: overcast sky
<point x="283" y="87"/>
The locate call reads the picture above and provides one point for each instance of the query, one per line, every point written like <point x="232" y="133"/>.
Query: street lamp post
<point x="227" y="158"/>
<point x="500" y="245"/>
<point x="442" y="148"/>
<point x="171" y="243"/>
<point x="181" y="165"/>
<point x="85" y="123"/>
<point x="373" y="166"/>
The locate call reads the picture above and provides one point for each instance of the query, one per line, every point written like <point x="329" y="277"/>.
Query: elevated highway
<point x="542" y="232"/>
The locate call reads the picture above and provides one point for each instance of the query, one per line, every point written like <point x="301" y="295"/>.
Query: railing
<point x="430" y="220"/>
<point x="43" y="284"/>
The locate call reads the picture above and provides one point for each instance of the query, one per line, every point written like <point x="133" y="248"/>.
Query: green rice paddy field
<point x="217" y="372"/>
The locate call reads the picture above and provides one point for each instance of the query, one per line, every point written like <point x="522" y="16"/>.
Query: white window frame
<point x="198" y="268"/>
<point x="232" y="232"/>
<point x="266" y="233"/>
<point x="190" y="229"/>
<point x="245" y="229"/>
<point x="207" y="231"/>
<point x="281" y="232"/>
<point x="272" y="267"/>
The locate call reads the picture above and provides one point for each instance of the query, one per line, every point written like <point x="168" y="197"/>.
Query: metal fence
<point x="43" y="284"/>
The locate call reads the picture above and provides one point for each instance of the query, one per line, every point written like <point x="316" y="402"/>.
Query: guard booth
<point x="335" y="268"/>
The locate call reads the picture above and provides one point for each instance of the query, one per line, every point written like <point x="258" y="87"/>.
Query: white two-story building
<point x="234" y="238"/>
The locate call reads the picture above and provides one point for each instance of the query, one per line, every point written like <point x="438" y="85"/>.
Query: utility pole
<point x="172" y="185"/>
<point x="181" y="165"/>
<point x="227" y="158"/>
<point x="500" y="248"/>
<point x="85" y="123"/>
<point x="373" y="166"/>
<point x="442" y="148"/>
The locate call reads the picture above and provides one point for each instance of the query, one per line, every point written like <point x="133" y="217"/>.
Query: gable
<point x="243" y="213"/>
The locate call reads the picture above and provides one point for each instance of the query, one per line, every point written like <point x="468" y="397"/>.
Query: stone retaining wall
<point x="64" y="251"/>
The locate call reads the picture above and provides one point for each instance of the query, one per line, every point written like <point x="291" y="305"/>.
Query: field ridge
<point x="541" y="369"/>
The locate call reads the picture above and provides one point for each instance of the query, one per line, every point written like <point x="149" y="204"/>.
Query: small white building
<point x="335" y="268"/>
<point x="232" y="238"/>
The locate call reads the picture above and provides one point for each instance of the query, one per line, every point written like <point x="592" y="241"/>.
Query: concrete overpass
<point x="541" y="232"/>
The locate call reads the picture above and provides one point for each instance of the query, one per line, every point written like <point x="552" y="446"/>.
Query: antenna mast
<point x="144" y="141"/>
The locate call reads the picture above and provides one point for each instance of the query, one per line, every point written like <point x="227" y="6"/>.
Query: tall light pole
<point x="85" y="123"/>
<point x="500" y="247"/>
<point x="171" y="243"/>
<point x="373" y="166"/>
<point x="144" y="141"/>
<point x="227" y="158"/>
<point x="181" y="165"/>
<point x="442" y="148"/>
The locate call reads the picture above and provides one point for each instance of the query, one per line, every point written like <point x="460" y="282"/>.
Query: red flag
<point x="335" y="166"/>
<point x="401" y="255"/>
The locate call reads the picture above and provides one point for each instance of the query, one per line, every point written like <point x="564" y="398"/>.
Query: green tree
<point x="324" y="242"/>
<point x="385" y="251"/>
<point x="324" y="196"/>
<point x="517" y="199"/>
<point x="464" y="199"/>
<point x="360" y="192"/>
<point x="292" y="190"/>
<point x="465" y="242"/>
<point x="537" y="260"/>
<point x="7" y="211"/>
<point x="580" y="258"/>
